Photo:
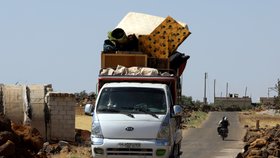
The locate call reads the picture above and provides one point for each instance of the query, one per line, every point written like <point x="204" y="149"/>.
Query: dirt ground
<point x="83" y="122"/>
<point x="266" y="119"/>
<point x="75" y="152"/>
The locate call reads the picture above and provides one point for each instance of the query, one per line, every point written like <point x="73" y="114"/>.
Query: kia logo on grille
<point x="129" y="128"/>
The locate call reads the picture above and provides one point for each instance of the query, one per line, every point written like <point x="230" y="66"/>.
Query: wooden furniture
<point x="127" y="60"/>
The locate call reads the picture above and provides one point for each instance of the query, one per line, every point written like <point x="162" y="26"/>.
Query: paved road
<point x="205" y="143"/>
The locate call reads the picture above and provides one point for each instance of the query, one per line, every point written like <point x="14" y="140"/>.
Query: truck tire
<point x="176" y="151"/>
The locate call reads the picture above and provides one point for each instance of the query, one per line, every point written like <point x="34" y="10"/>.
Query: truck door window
<point x="130" y="99"/>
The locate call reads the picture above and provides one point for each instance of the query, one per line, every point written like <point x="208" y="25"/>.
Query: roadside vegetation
<point x="195" y="120"/>
<point x="83" y="98"/>
<point x="194" y="112"/>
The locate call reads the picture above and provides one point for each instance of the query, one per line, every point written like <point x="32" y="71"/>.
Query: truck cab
<point x="136" y="120"/>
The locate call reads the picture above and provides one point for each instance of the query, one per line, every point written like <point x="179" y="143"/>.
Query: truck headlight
<point x="163" y="133"/>
<point x="162" y="142"/>
<point x="96" y="133"/>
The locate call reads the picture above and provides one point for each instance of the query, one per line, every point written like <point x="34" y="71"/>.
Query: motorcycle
<point x="223" y="132"/>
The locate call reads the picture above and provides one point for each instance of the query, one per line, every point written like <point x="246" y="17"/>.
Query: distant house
<point x="267" y="101"/>
<point x="233" y="101"/>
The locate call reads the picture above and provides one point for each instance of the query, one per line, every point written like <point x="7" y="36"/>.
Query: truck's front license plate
<point x="129" y="145"/>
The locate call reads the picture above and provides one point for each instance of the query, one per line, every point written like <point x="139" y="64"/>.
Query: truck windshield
<point x="132" y="100"/>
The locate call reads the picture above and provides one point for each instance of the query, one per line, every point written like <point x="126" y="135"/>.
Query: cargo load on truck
<point x="144" y="47"/>
<point x="146" y="41"/>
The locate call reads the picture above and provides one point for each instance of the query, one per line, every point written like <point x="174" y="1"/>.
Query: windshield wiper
<point x="147" y="112"/>
<point x="128" y="114"/>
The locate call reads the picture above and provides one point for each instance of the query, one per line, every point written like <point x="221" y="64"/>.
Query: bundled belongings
<point x="133" y="71"/>
<point x="178" y="62"/>
<point x="156" y="37"/>
<point x="119" y="41"/>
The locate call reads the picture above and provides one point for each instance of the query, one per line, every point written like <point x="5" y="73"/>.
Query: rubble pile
<point x="18" y="141"/>
<point x="82" y="137"/>
<point x="262" y="143"/>
<point x="23" y="141"/>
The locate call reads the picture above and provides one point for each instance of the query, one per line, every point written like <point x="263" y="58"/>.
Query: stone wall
<point x="261" y="143"/>
<point x="62" y="116"/>
<point x="53" y="114"/>
<point x="39" y="107"/>
<point x="13" y="102"/>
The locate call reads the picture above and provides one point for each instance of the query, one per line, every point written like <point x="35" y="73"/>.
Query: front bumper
<point x="121" y="148"/>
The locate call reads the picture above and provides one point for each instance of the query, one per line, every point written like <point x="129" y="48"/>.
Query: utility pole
<point x="214" y="89"/>
<point x="205" y="99"/>
<point x="278" y="86"/>
<point x="246" y="92"/>
<point x="227" y="90"/>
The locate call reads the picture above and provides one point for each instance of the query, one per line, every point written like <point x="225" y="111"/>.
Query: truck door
<point x="173" y="124"/>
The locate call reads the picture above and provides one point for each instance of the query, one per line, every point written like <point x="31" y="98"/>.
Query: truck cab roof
<point x="135" y="84"/>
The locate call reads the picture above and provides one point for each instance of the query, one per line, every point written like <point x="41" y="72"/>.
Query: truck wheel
<point x="176" y="151"/>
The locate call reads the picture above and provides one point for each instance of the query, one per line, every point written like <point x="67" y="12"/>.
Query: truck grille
<point x="130" y="151"/>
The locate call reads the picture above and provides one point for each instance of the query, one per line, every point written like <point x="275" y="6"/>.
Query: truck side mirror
<point x="89" y="109"/>
<point x="178" y="110"/>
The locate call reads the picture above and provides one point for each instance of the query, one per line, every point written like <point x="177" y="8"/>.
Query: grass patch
<point x="195" y="120"/>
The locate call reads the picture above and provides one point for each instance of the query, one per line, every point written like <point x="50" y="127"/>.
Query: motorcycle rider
<point x="223" y="123"/>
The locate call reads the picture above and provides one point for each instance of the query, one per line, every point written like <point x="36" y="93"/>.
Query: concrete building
<point x="233" y="101"/>
<point x="267" y="101"/>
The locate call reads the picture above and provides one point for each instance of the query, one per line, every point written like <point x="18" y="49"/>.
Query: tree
<point x="188" y="103"/>
<point x="83" y="97"/>
<point x="186" y="100"/>
<point x="277" y="102"/>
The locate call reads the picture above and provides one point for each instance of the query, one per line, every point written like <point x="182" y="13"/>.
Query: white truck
<point x="136" y="117"/>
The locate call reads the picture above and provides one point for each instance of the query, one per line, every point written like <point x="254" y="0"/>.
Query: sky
<point x="59" y="42"/>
